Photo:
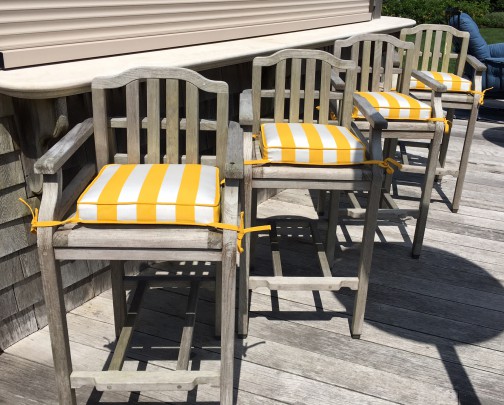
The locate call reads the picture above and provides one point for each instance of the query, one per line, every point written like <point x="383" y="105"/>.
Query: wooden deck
<point x="433" y="332"/>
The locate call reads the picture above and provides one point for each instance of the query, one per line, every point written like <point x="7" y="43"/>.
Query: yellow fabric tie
<point x="387" y="164"/>
<point x="242" y="231"/>
<point x="447" y="124"/>
<point x="257" y="162"/>
<point x="482" y="93"/>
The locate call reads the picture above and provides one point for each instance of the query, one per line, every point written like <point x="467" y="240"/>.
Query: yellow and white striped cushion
<point x="451" y="81"/>
<point x="312" y="144"/>
<point x="393" y="106"/>
<point x="152" y="193"/>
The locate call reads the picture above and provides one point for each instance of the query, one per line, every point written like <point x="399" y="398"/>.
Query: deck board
<point x="433" y="331"/>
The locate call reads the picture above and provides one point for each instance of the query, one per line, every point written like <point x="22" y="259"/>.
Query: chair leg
<point x="366" y="253"/>
<point x="321" y="202"/>
<point x="464" y="159"/>
<point x="228" y="316"/>
<point x="428" y="184"/>
<point x="245" y="259"/>
<point x="444" y="144"/>
<point x="389" y="151"/>
<point x="118" y="295"/>
<point x="56" y="316"/>
<point x="331" y="227"/>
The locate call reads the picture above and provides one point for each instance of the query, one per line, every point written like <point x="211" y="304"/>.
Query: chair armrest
<point x="374" y="118"/>
<point x="476" y="64"/>
<point x="496" y="50"/>
<point x="234" y="161"/>
<point x="56" y="157"/>
<point x="246" y="115"/>
<point x="429" y="81"/>
<point x="337" y="82"/>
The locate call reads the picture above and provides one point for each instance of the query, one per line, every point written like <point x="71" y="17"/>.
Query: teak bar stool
<point x="442" y="45"/>
<point x="138" y="208"/>
<point x="303" y="149"/>
<point x="386" y="87"/>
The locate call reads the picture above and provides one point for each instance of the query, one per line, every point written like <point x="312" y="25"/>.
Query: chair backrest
<point x="377" y="57"/>
<point x="433" y="47"/>
<point x="158" y="101"/>
<point x="302" y="78"/>
<point x="478" y="47"/>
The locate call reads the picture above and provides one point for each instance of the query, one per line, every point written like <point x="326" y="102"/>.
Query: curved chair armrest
<point x="429" y="81"/>
<point x="234" y="161"/>
<point x="337" y="82"/>
<point x="374" y="118"/>
<point x="56" y="157"/>
<point x="496" y="50"/>
<point x="246" y="115"/>
<point x="476" y="63"/>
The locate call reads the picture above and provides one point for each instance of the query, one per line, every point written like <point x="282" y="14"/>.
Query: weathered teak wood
<point x="383" y="78"/>
<point x="130" y="242"/>
<point x="450" y="100"/>
<point x="305" y="93"/>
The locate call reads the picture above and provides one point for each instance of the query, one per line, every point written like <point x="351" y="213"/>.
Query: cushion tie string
<point x="447" y="124"/>
<point x="242" y="231"/>
<point x="388" y="164"/>
<point x="481" y="93"/>
<point x="257" y="162"/>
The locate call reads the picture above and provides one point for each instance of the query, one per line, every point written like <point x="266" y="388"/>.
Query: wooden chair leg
<point x="321" y="202"/>
<point x="389" y="151"/>
<point x="366" y="253"/>
<point x="245" y="259"/>
<point x="118" y="295"/>
<point x="56" y="316"/>
<point x="428" y="184"/>
<point x="228" y="317"/>
<point x="445" y="143"/>
<point x="464" y="159"/>
<point x="218" y="298"/>
<point x="331" y="227"/>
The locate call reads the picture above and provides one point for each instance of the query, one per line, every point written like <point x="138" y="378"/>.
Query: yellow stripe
<point x="315" y="144"/>
<point x="394" y="106"/>
<point x="186" y="198"/>
<point x="287" y="141"/>
<point x="146" y="206"/>
<point x="369" y="97"/>
<point x="343" y="146"/>
<point x="107" y="202"/>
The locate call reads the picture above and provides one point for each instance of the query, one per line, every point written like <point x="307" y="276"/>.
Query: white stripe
<point x="127" y="212"/>
<point x="275" y="155"/>
<point x="207" y="186"/>
<point x="204" y="215"/>
<point x="352" y="141"/>
<point x="92" y="195"/>
<point x="302" y="155"/>
<point x="299" y="135"/>
<point x="165" y="213"/>
<point x="170" y="185"/>
<point x="133" y="184"/>
<point x="88" y="212"/>
<point x="330" y="156"/>
<point x="272" y="136"/>
<point x="357" y="156"/>
<point x="326" y="137"/>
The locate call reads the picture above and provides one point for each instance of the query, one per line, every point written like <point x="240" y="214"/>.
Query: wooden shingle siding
<point x="34" y="32"/>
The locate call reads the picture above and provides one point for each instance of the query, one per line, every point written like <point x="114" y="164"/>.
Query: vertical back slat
<point x="294" y="90"/>
<point x="172" y="121"/>
<point x="133" y="121"/>
<point x="325" y="86"/>
<point x="192" y="128"/>
<point x="416" y="53"/>
<point x="280" y="91"/>
<point x="377" y="63"/>
<point x="365" y="65"/>
<point x="404" y="80"/>
<point x="221" y="133"/>
<point x="309" y="99"/>
<point x="345" y="113"/>
<point x="101" y="132"/>
<point x="153" y="122"/>
<point x="426" y="50"/>
<point x="436" y="52"/>
<point x="462" y="56"/>
<point x="389" y="66"/>
<point x="446" y="52"/>
<point x="256" y="98"/>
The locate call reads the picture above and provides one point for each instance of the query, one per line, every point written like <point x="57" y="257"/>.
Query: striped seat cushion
<point x="394" y="106"/>
<point x="152" y="193"/>
<point x="452" y="82"/>
<point x="312" y="144"/>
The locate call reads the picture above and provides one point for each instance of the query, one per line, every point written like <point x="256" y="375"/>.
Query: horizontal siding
<point x="26" y="26"/>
